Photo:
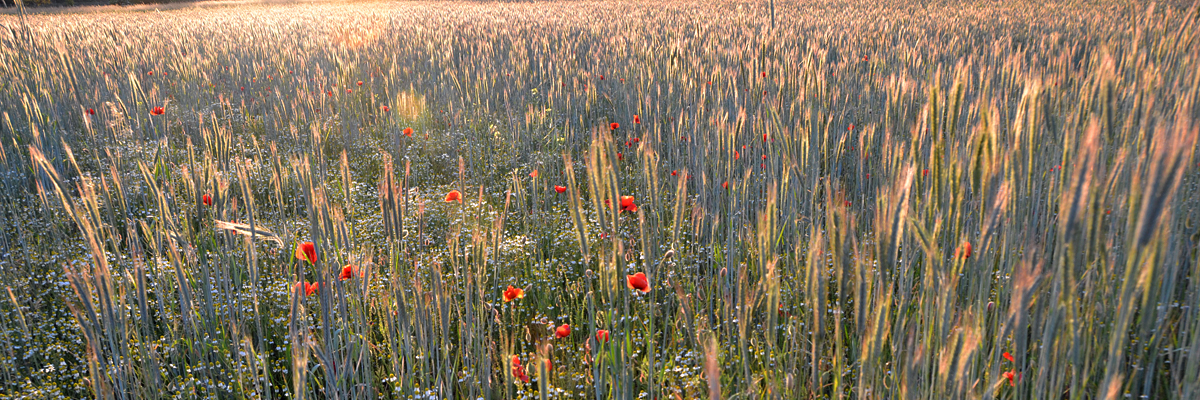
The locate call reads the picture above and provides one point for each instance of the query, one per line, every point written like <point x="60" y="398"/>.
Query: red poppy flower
<point x="151" y="73"/>
<point x="311" y="288"/>
<point x="242" y="87"/>
<point x="764" y="156"/>
<point x="157" y="111"/>
<point x="965" y="250"/>
<point x="300" y="287"/>
<point x="636" y="119"/>
<point x="736" y="155"/>
<point x="549" y="365"/>
<point x="307" y="252"/>
<point x="349" y="91"/>
<point x="620" y="156"/>
<point x="674" y="172"/>
<point x="408" y="132"/>
<point x="207" y="199"/>
<point x="1010" y="375"/>
<point x="764" y="137"/>
<point x="636" y="140"/>
<point x="764" y="74"/>
<point x="638" y="282"/>
<point x="359" y="83"/>
<point x="847" y="203"/>
<point x="454" y="195"/>
<point x="602" y="335"/>
<point x="513" y="293"/>
<point x="562" y="331"/>
<point x="517" y="371"/>
<point x="710" y="83"/>
<point x="614" y="126"/>
<point x="725" y="185"/>
<point x="608" y="203"/>
<point x="627" y="204"/>
<point x="91" y="111"/>
<point x="924" y="172"/>
<point x="601" y="77"/>
<point x="533" y="174"/>
<point x="347" y="272"/>
<point x="628" y="143"/>
<point x="329" y="92"/>
<point x="560" y="189"/>
<point x="385" y="109"/>
<point x="1008" y="357"/>
<point x="850" y="128"/>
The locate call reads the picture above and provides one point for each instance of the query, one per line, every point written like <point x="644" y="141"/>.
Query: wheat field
<point x="891" y="199"/>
